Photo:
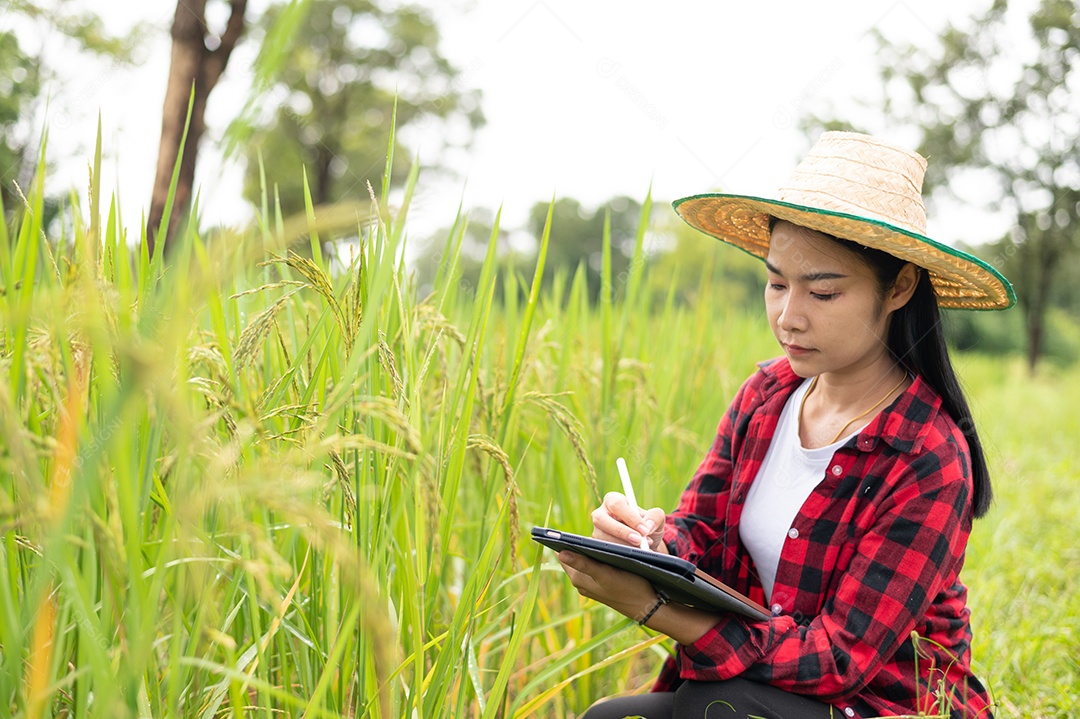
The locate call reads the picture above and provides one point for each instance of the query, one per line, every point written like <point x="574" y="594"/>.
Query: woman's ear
<point x="903" y="288"/>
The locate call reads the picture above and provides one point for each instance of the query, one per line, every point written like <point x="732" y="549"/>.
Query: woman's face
<point x="824" y="304"/>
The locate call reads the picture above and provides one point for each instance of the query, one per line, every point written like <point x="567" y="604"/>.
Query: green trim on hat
<point x="996" y="294"/>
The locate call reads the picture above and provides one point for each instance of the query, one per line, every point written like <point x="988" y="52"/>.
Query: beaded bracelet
<point x="661" y="600"/>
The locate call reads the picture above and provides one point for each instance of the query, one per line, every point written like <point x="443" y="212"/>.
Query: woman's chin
<point x="803" y="362"/>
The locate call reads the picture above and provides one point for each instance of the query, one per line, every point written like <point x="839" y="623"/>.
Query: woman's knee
<point x="648" y="706"/>
<point x="715" y="700"/>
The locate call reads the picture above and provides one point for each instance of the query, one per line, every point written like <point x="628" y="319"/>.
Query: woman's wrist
<point x="680" y="622"/>
<point x="661" y="600"/>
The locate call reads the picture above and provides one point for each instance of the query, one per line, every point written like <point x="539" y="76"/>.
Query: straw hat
<point x="858" y="188"/>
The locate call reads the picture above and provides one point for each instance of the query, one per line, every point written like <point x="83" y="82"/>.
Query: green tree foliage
<point x="335" y="97"/>
<point x="698" y="266"/>
<point x="475" y="236"/>
<point x="577" y="237"/>
<point x="686" y="264"/>
<point x="1000" y="111"/>
<point x="24" y="72"/>
<point x="20" y="84"/>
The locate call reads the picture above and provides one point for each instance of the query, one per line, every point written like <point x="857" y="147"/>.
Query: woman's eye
<point x="824" y="297"/>
<point x="775" y="286"/>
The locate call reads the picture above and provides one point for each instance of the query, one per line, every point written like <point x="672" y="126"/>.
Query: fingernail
<point x="634" y="537"/>
<point x="648" y="527"/>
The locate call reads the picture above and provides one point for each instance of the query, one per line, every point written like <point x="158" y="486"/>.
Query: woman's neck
<point x="836" y="392"/>
<point x="838" y="404"/>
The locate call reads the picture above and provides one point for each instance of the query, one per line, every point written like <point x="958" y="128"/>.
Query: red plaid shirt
<point x="876" y="558"/>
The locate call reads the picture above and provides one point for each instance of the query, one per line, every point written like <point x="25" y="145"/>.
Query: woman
<point x="842" y="483"/>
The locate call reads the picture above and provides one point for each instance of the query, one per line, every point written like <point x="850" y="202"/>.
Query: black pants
<point x="731" y="699"/>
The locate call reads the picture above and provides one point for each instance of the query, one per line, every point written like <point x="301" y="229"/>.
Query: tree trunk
<point x="1046" y="261"/>
<point x="193" y="65"/>
<point x="324" y="157"/>
<point x="1035" y="336"/>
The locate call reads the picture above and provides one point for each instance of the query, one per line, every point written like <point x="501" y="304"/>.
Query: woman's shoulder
<point x="918" y="426"/>
<point x="922" y="416"/>
<point x="773" y="374"/>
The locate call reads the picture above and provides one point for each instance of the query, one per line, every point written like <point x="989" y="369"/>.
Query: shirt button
<point x="837" y="470"/>
<point x="866" y="443"/>
<point x="776" y="609"/>
<point x="793" y="533"/>
<point x="849" y="711"/>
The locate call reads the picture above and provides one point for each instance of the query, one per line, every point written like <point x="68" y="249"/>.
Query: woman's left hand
<point x="623" y="591"/>
<point x="633" y="596"/>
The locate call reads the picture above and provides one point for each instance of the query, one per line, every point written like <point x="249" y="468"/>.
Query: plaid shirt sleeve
<point x="877" y="553"/>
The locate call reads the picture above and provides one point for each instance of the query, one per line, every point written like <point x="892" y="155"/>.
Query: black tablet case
<point x="681" y="580"/>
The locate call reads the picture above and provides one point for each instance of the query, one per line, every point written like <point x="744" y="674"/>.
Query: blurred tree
<point x="477" y="231"/>
<point x="24" y="72"/>
<point x="20" y="85"/>
<point x="701" y="266"/>
<point x="577" y="236"/>
<point x="1001" y="112"/>
<point x="199" y="57"/>
<point x="576" y="239"/>
<point x="335" y="96"/>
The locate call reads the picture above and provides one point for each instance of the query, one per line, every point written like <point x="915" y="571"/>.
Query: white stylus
<point x="628" y="491"/>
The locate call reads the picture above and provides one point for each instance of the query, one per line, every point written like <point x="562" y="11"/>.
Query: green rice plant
<point x="250" y="478"/>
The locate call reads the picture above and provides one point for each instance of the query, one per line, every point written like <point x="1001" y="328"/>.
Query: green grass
<point x="235" y="483"/>
<point x="1023" y="560"/>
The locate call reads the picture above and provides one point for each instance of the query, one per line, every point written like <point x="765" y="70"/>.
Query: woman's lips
<point x="796" y="350"/>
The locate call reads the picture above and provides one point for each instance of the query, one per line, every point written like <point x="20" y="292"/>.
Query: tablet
<point x="681" y="580"/>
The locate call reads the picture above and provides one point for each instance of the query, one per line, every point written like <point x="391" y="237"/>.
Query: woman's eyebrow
<point x="808" y="277"/>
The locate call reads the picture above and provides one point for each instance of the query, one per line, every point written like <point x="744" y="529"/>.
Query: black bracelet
<point x="661" y="600"/>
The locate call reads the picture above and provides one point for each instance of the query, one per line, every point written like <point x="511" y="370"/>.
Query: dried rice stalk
<point x="386" y="359"/>
<point x="318" y="281"/>
<point x="427" y="359"/>
<point x="637" y="372"/>
<point x="386" y="410"/>
<point x="571" y="427"/>
<point x="487" y="445"/>
<point x="359" y="442"/>
<point x="430" y="318"/>
<point x="256" y="331"/>
<point x="341" y="473"/>
<point x="271" y="286"/>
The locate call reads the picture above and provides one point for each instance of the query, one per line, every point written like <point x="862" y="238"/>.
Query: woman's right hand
<point x="616" y="521"/>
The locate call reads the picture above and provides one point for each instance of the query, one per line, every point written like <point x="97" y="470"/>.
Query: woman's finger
<point x="616" y="521"/>
<point x="654" y="521"/>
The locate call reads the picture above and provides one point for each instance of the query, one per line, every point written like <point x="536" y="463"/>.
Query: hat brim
<point x="960" y="280"/>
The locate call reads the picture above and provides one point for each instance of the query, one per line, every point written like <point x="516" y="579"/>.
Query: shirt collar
<point x="904" y="427"/>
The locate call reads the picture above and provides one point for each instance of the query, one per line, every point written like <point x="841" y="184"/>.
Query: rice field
<point x="252" y="480"/>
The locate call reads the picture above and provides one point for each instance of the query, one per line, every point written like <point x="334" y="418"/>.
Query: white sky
<point x="583" y="99"/>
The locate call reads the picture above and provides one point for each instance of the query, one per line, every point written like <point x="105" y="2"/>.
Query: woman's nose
<point x="791" y="316"/>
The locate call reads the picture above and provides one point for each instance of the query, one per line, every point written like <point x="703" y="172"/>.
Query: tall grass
<point x="237" y="482"/>
<point x="1023" y="563"/>
<point x="245" y="481"/>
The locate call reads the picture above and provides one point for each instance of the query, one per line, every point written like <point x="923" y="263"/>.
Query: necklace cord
<point x="813" y="383"/>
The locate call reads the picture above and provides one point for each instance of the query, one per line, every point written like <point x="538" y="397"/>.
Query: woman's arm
<point x="688" y="532"/>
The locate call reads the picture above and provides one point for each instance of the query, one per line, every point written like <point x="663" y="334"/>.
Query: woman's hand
<point x="616" y="521"/>
<point x="623" y="591"/>
<point x="634" y="597"/>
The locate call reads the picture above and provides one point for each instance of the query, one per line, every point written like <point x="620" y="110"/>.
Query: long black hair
<point x="917" y="342"/>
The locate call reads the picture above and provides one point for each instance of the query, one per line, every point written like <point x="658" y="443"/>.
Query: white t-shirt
<point x="786" y="478"/>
